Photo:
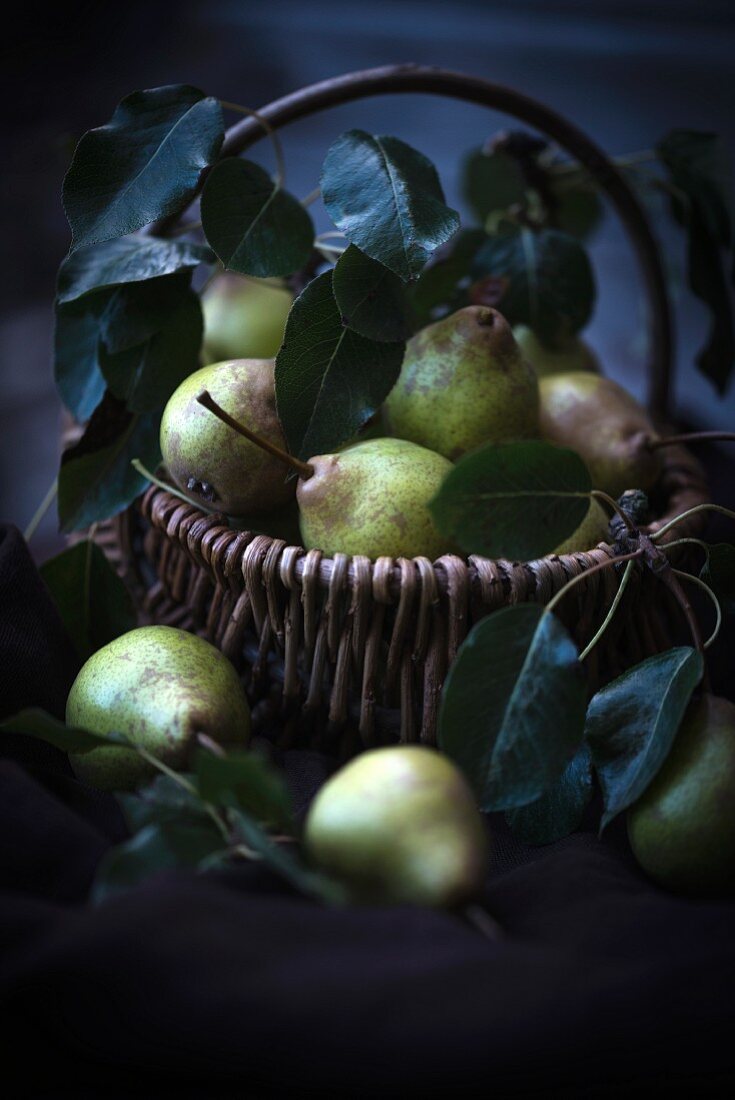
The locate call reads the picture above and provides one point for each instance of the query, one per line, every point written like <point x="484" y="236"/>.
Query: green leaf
<point x="144" y="164"/>
<point x="578" y="210"/>
<point x="96" y="479"/>
<point x="93" y="602"/>
<point x="545" y="277"/>
<point x="125" y="260"/>
<point x="708" y="281"/>
<point x="443" y="285"/>
<point x="513" y="500"/>
<point x="719" y="573"/>
<point x="34" y="722"/>
<point x="157" y="847"/>
<point x="698" y="164"/>
<point x="387" y="199"/>
<point x="632" y="722"/>
<point x="285" y="862"/>
<point x="253" y="225"/>
<point x="161" y="801"/>
<point x="76" y="356"/>
<point x="329" y="380"/>
<point x="145" y="376"/>
<point x="371" y="299"/>
<point x="493" y="181"/>
<point x="136" y="312"/>
<point x="559" y="811"/>
<point x="243" y="780"/>
<point x="512" y="711"/>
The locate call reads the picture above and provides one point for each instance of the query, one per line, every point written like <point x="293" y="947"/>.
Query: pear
<point x="604" y="424"/>
<point x="399" y="825"/>
<point x="243" y="318"/>
<point x="464" y="382"/>
<point x="160" y="687"/>
<point x="592" y="530"/>
<point x="205" y="458"/>
<point x="572" y="355"/>
<point x="682" y="829"/>
<point x="373" y="499"/>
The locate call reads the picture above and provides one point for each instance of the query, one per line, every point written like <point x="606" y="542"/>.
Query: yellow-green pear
<point x="605" y="425"/>
<point x="243" y="318"/>
<point x="400" y="825"/>
<point x="572" y="355"/>
<point x="160" y="687"/>
<point x="373" y="499"/>
<point x="682" y="829"/>
<point x="592" y="530"/>
<point x="207" y="459"/>
<point x="463" y="383"/>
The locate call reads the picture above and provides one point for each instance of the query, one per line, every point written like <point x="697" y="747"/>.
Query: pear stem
<point x="599" y="495"/>
<point x="691" y="437"/>
<point x="588" y="573"/>
<point x="669" y="578"/>
<point x="304" y="469"/>
<point x="718" y="610"/>
<point x="608" y="618"/>
<point x="691" y="512"/>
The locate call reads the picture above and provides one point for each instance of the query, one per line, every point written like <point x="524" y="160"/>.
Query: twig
<point x="41" y="510"/>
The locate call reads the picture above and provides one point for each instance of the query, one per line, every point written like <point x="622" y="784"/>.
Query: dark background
<point x="624" y="71"/>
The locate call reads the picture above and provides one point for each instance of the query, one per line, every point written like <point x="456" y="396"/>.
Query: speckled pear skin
<point x="574" y="355"/>
<point x="603" y="423"/>
<point x="682" y="829"/>
<point x="243" y="318"/>
<point x="463" y="383"/>
<point x="160" y="686"/>
<point x="400" y="825"/>
<point x="373" y="499"/>
<point x="196" y="444"/>
<point x="592" y="530"/>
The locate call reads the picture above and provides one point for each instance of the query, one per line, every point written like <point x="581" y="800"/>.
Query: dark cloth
<point x="229" y="985"/>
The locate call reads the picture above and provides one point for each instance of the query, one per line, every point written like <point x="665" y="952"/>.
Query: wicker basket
<point x="348" y="653"/>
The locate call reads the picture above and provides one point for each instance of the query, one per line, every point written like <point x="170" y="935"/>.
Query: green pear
<point x="603" y="423"/>
<point x="373" y="499"/>
<point x="400" y="825"/>
<point x="464" y="382"/>
<point x="592" y="530"/>
<point x="243" y="318"/>
<point x="207" y="459"/>
<point x="572" y="355"/>
<point x="682" y="830"/>
<point x="160" y="687"/>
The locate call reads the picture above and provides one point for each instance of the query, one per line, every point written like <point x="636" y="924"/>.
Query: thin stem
<point x="275" y="140"/>
<point x="211" y="746"/>
<point x="481" y="920"/>
<point x="682" y="542"/>
<point x="669" y="578"/>
<point x="303" y="468"/>
<point x="185" y="785"/>
<point x="41" y="510"/>
<point x="311" y="197"/>
<point x="588" y="573"/>
<point x="608" y="618"/>
<point x="691" y="437"/>
<point x="690" y="512"/>
<point x="599" y="495"/>
<point x="718" y="610"/>
<point x="200" y="504"/>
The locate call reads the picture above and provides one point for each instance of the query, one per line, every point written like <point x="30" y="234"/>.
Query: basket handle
<point x="434" y="81"/>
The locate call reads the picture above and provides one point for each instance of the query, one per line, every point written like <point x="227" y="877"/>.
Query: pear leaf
<point x="34" y="722"/>
<point x="245" y="781"/>
<point x="443" y="286"/>
<point x="157" y="847"/>
<point x="558" y="812"/>
<point x="79" y="379"/>
<point x="144" y="164"/>
<point x="329" y="380"/>
<point x="163" y="799"/>
<point x="493" y="181"/>
<point x="253" y="225"/>
<point x="94" y="604"/>
<point x="96" y="479"/>
<point x="125" y="260"/>
<point x="631" y="724"/>
<point x="512" y="712"/>
<point x="513" y="500"/>
<point x="387" y="199"/>
<point x="545" y="278"/>
<point x="719" y="573"/>
<point x="371" y="299"/>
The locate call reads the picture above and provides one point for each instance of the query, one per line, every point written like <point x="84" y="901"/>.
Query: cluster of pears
<point x="466" y="380"/>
